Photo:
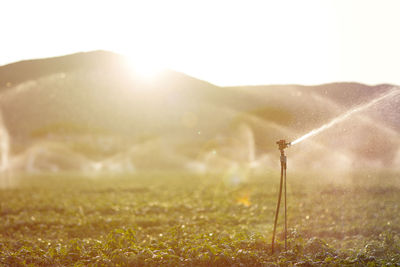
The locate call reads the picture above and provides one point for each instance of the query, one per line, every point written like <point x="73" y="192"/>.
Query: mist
<point x="106" y="120"/>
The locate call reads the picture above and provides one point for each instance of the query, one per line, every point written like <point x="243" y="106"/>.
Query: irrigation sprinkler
<point x="282" y="144"/>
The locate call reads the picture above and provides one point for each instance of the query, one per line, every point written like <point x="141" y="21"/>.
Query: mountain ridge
<point x="94" y="105"/>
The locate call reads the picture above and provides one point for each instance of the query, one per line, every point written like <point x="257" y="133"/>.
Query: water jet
<point x="283" y="144"/>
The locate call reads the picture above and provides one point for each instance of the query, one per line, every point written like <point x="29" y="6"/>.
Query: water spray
<point x="282" y="144"/>
<point x="391" y="93"/>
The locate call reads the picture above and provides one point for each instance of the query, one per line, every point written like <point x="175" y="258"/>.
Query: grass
<point x="184" y="219"/>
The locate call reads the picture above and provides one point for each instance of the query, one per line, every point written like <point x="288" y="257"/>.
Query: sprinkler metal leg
<point x="284" y="181"/>
<point x="277" y="210"/>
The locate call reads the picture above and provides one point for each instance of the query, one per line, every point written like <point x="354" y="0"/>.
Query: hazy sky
<point x="224" y="42"/>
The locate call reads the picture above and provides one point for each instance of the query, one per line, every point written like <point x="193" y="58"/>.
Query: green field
<point x="183" y="219"/>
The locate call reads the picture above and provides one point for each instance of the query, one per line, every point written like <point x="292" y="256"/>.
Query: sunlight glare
<point x="145" y="68"/>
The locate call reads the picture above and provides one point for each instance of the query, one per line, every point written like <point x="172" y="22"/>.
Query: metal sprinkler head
<point x="282" y="144"/>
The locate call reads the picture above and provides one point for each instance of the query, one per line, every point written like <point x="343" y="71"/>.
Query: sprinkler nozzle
<point x="282" y="144"/>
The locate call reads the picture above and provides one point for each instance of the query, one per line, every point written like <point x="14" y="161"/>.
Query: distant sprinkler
<point x="282" y="144"/>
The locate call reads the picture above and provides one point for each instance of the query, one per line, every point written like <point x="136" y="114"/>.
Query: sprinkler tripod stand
<point x="282" y="145"/>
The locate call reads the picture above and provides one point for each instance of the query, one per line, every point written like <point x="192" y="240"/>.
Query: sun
<point x="144" y="67"/>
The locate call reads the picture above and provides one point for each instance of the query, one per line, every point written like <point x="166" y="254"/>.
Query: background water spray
<point x="4" y="146"/>
<point x="4" y="155"/>
<point x="344" y="116"/>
